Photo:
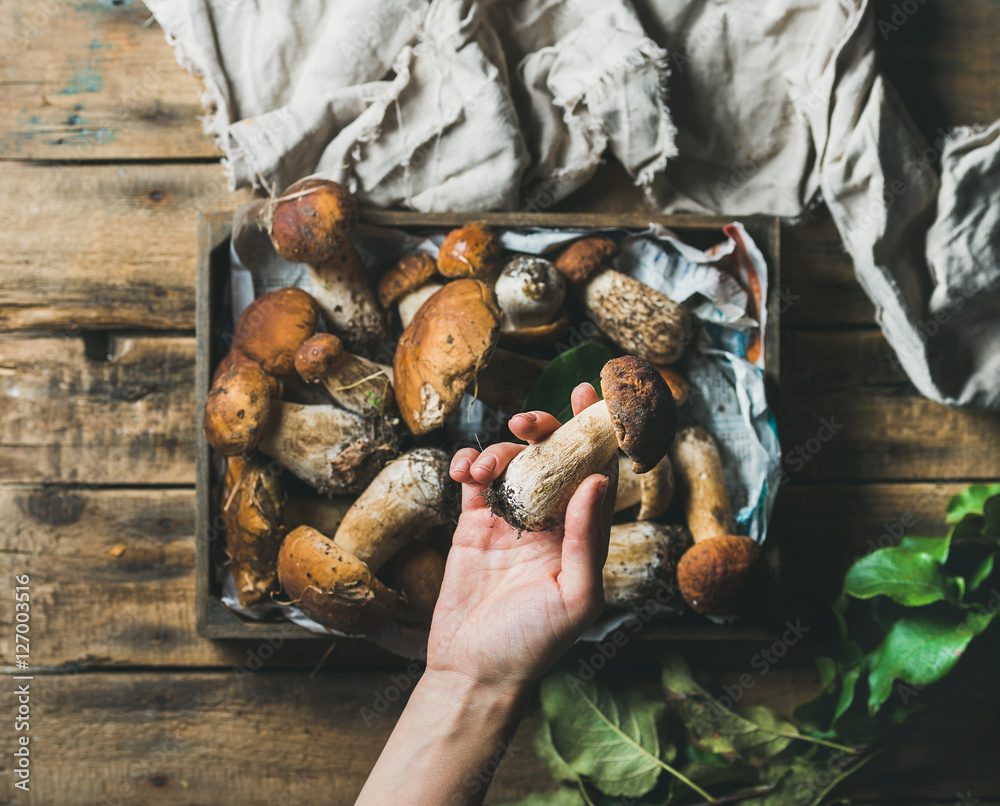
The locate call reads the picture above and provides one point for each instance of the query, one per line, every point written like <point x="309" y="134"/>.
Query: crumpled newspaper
<point x="726" y="287"/>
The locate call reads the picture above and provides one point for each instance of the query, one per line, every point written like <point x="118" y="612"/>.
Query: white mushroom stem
<point x="359" y="385"/>
<point x="653" y="490"/>
<point x="641" y="558"/>
<point x="639" y="319"/>
<point x="409" y="495"/>
<point x="705" y="497"/>
<point x="410" y="304"/>
<point x="536" y="488"/>
<point x="325" y="446"/>
<point x="341" y="288"/>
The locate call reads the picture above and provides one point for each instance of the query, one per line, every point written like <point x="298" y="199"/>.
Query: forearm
<point x="447" y="745"/>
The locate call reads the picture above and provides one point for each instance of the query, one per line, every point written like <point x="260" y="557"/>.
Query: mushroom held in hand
<point x="637" y="414"/>
<point x="717" y="573"/>
<point x="637" y="318"/>
<point x="530" y="292"/>
<point x="312" y="223"/>
<point x="439" y="355"/>
<point x="334" y="580"/>
<point x="642" y="559"/>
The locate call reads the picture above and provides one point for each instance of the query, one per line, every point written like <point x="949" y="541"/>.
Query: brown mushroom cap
<point x="581" y="258"/>
<point x="273" y="327"/>
<point x="331" y="586"/>
<point x="416" y="571"/>
<point x="642" y="409"/>
<point x="237" y="409"/>
<point x="316" y="355"/>
<point x="311" y="220"/>
<point x="234" y="357"/>
<point x="409" y="274"/>
<point x="716" y="576"/>
<point x="438" y="356"/>
<point x="470" y="251"/>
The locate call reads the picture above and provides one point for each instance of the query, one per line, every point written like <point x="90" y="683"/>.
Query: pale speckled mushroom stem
<point x="349" y="306"/>
<point x="536" y="488"/>
<point x="642" y="557"/>
<point x="408" y="496"/>
<point x="324" y="445"/>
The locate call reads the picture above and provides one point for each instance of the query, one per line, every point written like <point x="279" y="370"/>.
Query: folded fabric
<point x="727" y="106"/>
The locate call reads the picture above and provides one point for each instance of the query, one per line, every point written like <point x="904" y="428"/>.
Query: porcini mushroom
<point x="439" y="355"/>
<point x="471" y="251"/>
<point x="312" y="222"/>
<point x="408" y="285"/>
<point x="334" y="450"/>
<point x="637" y="318"/>
<point x="272" y="328"/>
<point x="530" y="292"/>
<point x="716" y="574"/>
<point x="252" y="502"/>
<point x="637" y="414"/>
<point x="357" y="384"/>
<point x="653" y="491"/>
<point x="334" y="580"/>
<point x="642" y="560"/>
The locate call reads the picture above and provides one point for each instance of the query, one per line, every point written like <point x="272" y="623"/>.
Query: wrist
<point x="462" y="692"/>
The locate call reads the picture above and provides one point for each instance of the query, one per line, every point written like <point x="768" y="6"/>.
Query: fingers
<point x="475" y="470"/>
<point x="585" y="544"/>
<point x="582" y="397"/>
<point x="532" y="426"/>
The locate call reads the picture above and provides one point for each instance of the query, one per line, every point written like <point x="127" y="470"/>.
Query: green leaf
<point x="936" y="547"/>
<point x="755" y="735"/>
<point x="921" y="648"/>
<point x="910" y="578"/>
<point x="991" y="516"/>
<point x="676" y="677"/>
<point x="982" y="572"/>
<point x="971" y="502"/>
<point x="612" y="738"/>
<point x="547" y="752"/>
<point x="566" y="796"/>
<point x="552" y="392"/>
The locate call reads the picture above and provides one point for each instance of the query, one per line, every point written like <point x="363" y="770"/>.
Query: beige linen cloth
<point x="727" y="106"/>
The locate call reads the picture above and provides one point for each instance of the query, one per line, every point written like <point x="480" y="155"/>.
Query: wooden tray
<point x="215" y="620"/>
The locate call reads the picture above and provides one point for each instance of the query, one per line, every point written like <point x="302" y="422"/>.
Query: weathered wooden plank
<point x="68" y="418"/>
<point x="94" y="81"/>
<point x="849" y="412"/>
<point x="103" y="246"/>
<point x="287" y="738"/>
<point x="113" y="571"/>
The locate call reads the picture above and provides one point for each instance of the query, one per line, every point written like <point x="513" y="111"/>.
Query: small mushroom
<point x="312" y="223"/>
<point x="408" y="285"/>
<point x="718" y="572"/>
<point x="357" y="384"/>
<point x="653" y="491"/>
<point x="637" y="318"/>
<point x="334" y="450"/>
<point x="530" y="292"/>
<point x="637" y="415"/>
<point x="416" y="571"/>
<point x="642" y="557"/>
<point x="471" y="251"/>
<point x="334" y="580"/>
<point x="252" y="501"/>
<point x="449" y="341"/>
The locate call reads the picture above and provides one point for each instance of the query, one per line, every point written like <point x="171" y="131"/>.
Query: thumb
<point x="585" y="545"/>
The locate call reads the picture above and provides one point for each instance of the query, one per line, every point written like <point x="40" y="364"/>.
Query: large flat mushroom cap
<point x="273" y="327"/>
<point x="311" y="220"/>
<point x="642" y="409"/>
<point x="450" y="339"/>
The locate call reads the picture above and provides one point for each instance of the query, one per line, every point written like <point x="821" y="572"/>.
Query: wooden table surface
<point x="104" y="167"/>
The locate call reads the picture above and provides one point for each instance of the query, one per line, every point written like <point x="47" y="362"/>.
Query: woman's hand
<point x="512" y="603"/>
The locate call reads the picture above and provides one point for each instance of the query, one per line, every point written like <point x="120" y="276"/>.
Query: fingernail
<point x="529" y="416"/>
<point x="602" y="487"/>
<point x="487" y="463"/>
<point x="461" y="466"/>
